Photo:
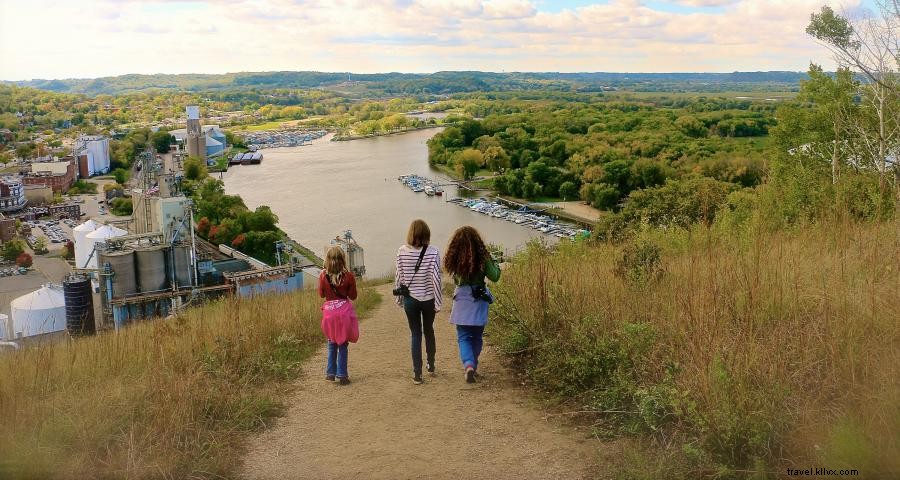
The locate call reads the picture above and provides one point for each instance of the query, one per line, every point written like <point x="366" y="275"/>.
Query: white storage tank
<point x="5" y="328"/>
<point x="39" y="312"/>
<point x="82" y="248"/>
<point x="99" y="236"/>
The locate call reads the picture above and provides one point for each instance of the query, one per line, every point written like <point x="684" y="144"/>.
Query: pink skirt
<point x="339" y="322"/>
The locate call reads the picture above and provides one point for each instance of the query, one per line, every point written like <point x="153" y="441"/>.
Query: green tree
<point x="162" y="141"/>
<point x="568" y="191"/>
<point x="13" y="249"/>
<point x="195" y="169"/>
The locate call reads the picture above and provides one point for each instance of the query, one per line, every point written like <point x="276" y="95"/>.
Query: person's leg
<point x="414" y="318"/>
<point x="428" y="314"/>
<point x="464" y="338"/>
<point x="342" y="361"/>
<point x="477" y="342"/>
<point x="331" y="363"/>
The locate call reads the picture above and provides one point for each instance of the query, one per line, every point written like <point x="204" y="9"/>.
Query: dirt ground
<point x="580" y="210"/>
<point x="382" y="426"/>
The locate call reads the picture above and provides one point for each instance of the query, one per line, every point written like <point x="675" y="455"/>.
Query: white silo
<point x="82" y="246"/>
<point x="5" y="329"/>
<point x="99" y="236"/>
<point x="39" y="312"/>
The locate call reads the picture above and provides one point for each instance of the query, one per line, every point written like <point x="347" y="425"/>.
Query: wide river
<point x="320" y="190"/>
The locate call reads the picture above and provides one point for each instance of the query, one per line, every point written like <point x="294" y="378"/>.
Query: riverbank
<point x="345" y="138"/>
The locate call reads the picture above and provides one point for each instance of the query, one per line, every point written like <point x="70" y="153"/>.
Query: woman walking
<point x="469" y="262"/>
<point x="337" y="286"/>
<point x="417" y="287"/>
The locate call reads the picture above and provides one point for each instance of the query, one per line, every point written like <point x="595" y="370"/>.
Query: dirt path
<point x="383" y="426"/>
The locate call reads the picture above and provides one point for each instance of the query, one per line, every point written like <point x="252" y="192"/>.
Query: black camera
<point x="480" y="292"/>
<point x="401" y="291"/>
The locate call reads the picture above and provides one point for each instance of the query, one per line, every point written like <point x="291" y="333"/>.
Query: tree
<point x="13" y="249"/>
<point x="162" y="141"/>
<point x="40" y="246"/>
<point x="69" y="250"/>
<point x="869" y="44"/>
<point x="24" y="260"/>
<point x="466" y="162"/>
<point x="195" y="169"/>
<point x="568" y="191"/>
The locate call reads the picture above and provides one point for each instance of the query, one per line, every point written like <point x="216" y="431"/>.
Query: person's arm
<point x="397" y="299"/>
<point x="322" y="284"/>
<point x="351" y="285"/>
<point x="491" y="270"/>
<point x="436" y="282"/>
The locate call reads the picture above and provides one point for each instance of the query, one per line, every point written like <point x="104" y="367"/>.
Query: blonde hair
<point x="335" y="264"/>
<point x="419" y="234"/>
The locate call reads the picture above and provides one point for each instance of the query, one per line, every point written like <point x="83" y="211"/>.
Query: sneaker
<point x="430" y="368"/>
<point x="470" y="375"/>
<point x="417" y="380"/>
<point x="344" y="381"/>
<point x="330" y="378"/>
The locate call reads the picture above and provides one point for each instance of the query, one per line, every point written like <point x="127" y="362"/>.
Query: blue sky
<point x="90" y="38"/>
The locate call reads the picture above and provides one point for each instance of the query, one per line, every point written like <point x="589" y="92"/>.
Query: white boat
<point x="429" y="191"/>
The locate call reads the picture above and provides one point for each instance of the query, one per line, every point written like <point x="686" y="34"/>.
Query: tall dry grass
<point x="739" y="356"/>
<point x="161" y="399"/>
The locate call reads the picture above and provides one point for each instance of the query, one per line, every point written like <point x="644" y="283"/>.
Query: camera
<point x="401" y="291"/>
<point x="480" y="292"/>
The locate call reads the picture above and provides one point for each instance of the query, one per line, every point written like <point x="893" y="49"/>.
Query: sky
<point x="94" y="38"/>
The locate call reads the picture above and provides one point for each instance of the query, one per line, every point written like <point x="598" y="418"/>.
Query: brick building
<point x="53" y="177"/>
<point x="12" y="194"/>
<point x="7" y="228"/>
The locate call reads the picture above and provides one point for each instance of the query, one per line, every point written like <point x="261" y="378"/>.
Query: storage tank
<point x="98" y="236"/>
<point x="184" y="273"/>
<point x="39" y="312"/>
<point x="124" y="281"/>
<point x="79" y="305"/>
<point x="151" y="269"/>
<point x="5" y="328"/>
<point x="82" y="246"/>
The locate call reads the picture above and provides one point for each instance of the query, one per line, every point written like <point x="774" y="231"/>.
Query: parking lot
<point x="54" y="232"/>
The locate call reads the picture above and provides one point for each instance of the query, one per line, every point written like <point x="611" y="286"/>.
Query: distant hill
<point x="435" y="83"/>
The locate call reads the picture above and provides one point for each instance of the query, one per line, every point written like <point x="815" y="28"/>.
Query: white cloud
<point x="50" y="39"/>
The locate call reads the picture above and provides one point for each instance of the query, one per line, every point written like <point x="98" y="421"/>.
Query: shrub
<point x="639" y="263"/>
<point x="24" y="260"/>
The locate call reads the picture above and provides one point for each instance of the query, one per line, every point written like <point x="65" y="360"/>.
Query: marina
<point x="518" y="214"/>
<point x="281" y="138"/>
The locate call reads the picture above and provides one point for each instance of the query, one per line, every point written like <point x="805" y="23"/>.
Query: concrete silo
<point x="83" y="248"/>
<point x="99" y="236"/>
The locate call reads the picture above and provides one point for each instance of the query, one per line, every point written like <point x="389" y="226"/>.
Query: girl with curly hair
<point x="470" y="263"/>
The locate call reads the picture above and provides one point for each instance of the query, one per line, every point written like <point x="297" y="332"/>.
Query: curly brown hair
<point x="466" y="253"/>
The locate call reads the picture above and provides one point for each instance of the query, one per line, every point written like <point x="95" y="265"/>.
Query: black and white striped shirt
<point x="426" y="284"/>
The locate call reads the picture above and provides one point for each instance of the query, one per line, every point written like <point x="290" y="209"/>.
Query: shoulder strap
<point x="418" y="264"/>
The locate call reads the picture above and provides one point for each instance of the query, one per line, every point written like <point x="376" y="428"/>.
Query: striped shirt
<point x="424" y="285"/>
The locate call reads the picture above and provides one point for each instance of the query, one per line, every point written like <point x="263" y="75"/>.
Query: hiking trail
<point x="382" y="426"/>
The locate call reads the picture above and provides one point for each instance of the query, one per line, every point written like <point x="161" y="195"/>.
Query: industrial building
<point x="201" y="141"/>
<point x="92" y="155"/>
<point x="40" y="312"/>
<point x="59" y="175"/>
<point x="12" y="194"/>
<point x="7" y="228"/>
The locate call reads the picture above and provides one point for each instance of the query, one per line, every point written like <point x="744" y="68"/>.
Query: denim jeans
<point x="420" y="316"/>
<point x="337" y="360"/>
<point x="470" y="338"/>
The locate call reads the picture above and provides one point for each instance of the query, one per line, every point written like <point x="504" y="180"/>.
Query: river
<point x="322" y="189"/>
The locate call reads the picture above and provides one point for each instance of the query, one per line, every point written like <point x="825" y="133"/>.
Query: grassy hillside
<point x="726" y="356"/>
<point x="161" y="399"/>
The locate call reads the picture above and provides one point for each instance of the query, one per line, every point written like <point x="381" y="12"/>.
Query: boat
<point x="429" y="191"/>
<point x="438" y="191"/>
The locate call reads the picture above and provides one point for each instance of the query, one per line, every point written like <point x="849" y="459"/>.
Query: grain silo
<point x="83" y="248"/>
<point x="99" y="236"/>
<point x="39" y="312"/>
<point x="151" y="269"/>
<point x="121" y="263"/>
<point x="181" y="261"/>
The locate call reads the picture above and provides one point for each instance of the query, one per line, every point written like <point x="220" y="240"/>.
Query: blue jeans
<point x="337" y="360"/>
<point x="471" y="339"/>
<point x="420" y="316"/>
